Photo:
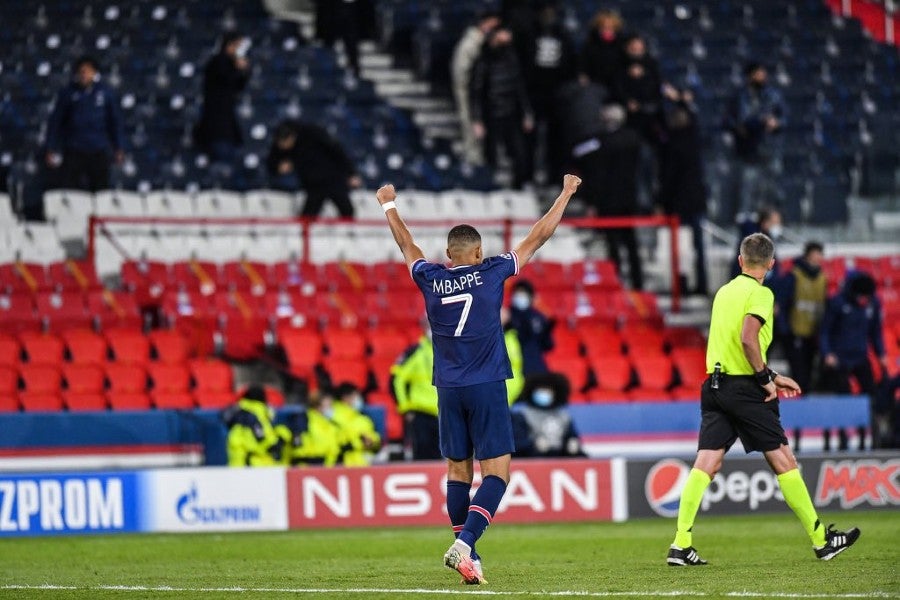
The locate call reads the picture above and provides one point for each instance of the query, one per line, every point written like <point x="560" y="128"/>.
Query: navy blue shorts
<point x="475" y="418"/>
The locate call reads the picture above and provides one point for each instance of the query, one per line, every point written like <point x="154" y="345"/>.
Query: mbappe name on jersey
<point x="463" y="282"/>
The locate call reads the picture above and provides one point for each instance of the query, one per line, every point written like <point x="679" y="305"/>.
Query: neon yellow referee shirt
<point x="738" y="298"/>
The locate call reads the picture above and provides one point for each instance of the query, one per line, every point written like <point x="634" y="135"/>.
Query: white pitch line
<point x="420" y="591"/>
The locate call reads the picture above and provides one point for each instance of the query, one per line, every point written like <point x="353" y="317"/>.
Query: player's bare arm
<point x="386" y="195"/>
<point x="546" y="225"/>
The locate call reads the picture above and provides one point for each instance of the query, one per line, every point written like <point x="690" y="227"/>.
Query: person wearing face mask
<point x="543" y="426"/>
<point x="533" y="328"/>
<point x="602" y="54"/>
<point x="323" y="431"/>
<point x="768" y="221"/>
<point x="755" y="116"/>
<point x="357" y="429"/>
<point x="252" y="439"/>
<point x="851" y="326"/>
<point x="84" y="130"/>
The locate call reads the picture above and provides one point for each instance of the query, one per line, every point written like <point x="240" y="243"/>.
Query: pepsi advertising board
<point x="51" y="504"/>
<point x="747" y="484"/>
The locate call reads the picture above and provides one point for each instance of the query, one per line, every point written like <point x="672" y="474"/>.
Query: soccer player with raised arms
<point x="740" y="400"/>
<point x="463" y="304"/>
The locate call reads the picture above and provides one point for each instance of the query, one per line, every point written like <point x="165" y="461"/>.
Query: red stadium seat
<point x="22" y="277"/>
<point x="85" y="402"/>
<point x="196" y="275"/>
<point x="9" y="403"/>
<point x="384" y="275"/>
<point x="128" y="346"/>
<point x="344" y="343"/>
<point x="600" y="341"/>
<point x="210" y="400"/>
<point x="684" y="337"/>
<point x="172" y="400"/>
<point x="546" y="275"/>
<point x="566" y="343"/>
<point x="686" y="393"/>
<point x="73" y="275"/>
<point x="10" y="350"/>
<point x="136" y="401"/>
<point x="296" y="275"/>
<point x="387" y="342"/>
<point x="290" y="308"/>
<point x="303" y="349"/>
<point x="341" y="309"/>
<point x="42" y="348"/>
<point x="393" y="419"/>
<point x="41" y="401"/>
<point x="642" y="340"/>
<point x="114" y="309"/>
<point x="654" y="371"/>
<point x="41" y="379"/>
<point x="600" y="274"/>
<point x="169" y="346"/>
<point x="380" y="367"/>
<point x="126" y="377"/>
<point x="169" y="377"/>
<point x="63" y="310"/>
<point x="211" y="375"/>
<point x="346" y="276"/>
<point x="9" y="389"/>
<point x="145" y="280"/>
<point x="85" y="347"/>
<point x="84" y="378"/>
<point x="246" y="276"/>
<point x="17" y="313"/>
<point x="645" y="394"/>
<point x="573" y="367"/>
<point x="613" y="373"/>
<point x="691" y="366"/>
<point x="353" y="370"/>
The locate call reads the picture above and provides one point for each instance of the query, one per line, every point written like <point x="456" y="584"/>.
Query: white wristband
<point x="388" y="206"/>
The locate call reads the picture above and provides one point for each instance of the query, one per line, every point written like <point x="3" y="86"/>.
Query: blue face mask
<point x="542" y="397"/>
<point x="521" y="300"/>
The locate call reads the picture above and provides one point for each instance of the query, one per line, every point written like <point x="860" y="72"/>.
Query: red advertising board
<point x="413" y="494"/>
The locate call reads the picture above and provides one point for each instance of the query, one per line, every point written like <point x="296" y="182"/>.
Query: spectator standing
<point x="357" y="428"/>
<point x="851" y="326"/>
<point x="639" y="89"/>
<point x="682" y="185"/>
<point x="609" y="164"/>
<point x="342" y="20"/>
<point x="802" y="293"/>
<point x="252" y="439"/>
<point x="541" y="421"/>
<point x="767" y="221"/>
<point x="533" y="329"/>
<point x="304" y="154"/>
<point x="465" y="54"/>
<point x="224" y="77"/>
<point x="602" y="55"/>
<point x="579" y="106"/>
<point x="501" y="113"/>
<point x="755" y="116"/>
<point x="550" y="64"/>
<point x="85" y="130"/>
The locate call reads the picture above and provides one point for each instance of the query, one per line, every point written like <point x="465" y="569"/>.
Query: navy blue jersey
<point x="463" y="305"/>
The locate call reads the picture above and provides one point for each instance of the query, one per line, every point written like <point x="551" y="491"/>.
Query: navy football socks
<point x="482" y="508"/>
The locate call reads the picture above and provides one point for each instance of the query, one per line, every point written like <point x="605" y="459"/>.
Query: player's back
<point x="463" y="305"/>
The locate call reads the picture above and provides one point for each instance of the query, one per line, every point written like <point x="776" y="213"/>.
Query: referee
<point x="740" y="400"/>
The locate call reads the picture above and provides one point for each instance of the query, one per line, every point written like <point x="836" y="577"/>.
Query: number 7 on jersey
<point x="466" y="299"/>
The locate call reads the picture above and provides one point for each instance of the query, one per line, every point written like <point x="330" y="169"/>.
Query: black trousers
<point x="422" y="436"/>
<point x="85" y="170"/>
<point x="801" y="355"/>
<point x="316" y="196"/>
<point x="507" y="132"/>
<point x="619" y="239"/>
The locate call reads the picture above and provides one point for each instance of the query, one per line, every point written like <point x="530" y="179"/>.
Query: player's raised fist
<point x="386" y="193"/>
<point x="571" y="183"/>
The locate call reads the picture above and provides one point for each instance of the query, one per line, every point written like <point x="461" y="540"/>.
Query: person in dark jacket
<point x="225" y="76"/>
<point x="303" y="154"/>
<point x="682" y="186"/>
<point x="501" y="112"/>
<point x="639" y="89"/>
<point x="579" y="105"/>
<point x="550" y="64"/>
<point x="534" y="329"/>
<point x="85" y="130"/>
<point x="608" y="165"/>
<point x="851" y="326"/>
<point x="542" y="424"/>
<point x="602" y="56"/>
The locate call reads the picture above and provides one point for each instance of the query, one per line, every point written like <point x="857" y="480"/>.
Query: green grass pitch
<point x="759" y="556"/>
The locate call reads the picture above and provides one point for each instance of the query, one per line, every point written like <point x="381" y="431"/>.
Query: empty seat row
<point x="85" y="347"/>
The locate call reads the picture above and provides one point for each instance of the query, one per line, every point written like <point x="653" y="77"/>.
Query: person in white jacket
<point x="465" y="54"/>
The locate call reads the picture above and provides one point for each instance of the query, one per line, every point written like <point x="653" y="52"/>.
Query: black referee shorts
<point x="736" y="410"/>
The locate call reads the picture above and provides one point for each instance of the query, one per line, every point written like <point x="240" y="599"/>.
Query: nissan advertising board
<point x="746" y="484"/>
<point x="413" y="494"/>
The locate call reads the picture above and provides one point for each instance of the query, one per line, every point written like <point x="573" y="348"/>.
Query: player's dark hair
<point x="86" y="59"/>
<point x="229" y="37"/>
<point x="757" y="249"/>
<point x="813" y="246"/>
<point x="463" y="235"/>
<point x="255" y="392"/>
